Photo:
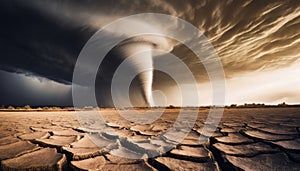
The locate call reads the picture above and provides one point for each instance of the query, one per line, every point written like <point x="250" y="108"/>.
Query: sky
<point x="257" y="42"/>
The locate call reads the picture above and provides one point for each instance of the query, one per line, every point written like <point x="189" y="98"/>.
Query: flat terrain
<point x="245" y="139"/>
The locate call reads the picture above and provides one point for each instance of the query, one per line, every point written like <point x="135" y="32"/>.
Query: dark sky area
<point x="258" y="43"/>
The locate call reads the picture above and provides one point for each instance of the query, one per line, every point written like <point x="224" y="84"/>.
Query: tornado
<point x="143" y="48"/>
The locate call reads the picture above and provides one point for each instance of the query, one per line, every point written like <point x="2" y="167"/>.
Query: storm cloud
<point x="44" y="38"/>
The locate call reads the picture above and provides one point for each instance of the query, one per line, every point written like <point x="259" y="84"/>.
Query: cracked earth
<point x="246" y="139"/>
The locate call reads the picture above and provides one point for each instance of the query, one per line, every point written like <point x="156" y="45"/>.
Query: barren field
<point x="246" y="139"/>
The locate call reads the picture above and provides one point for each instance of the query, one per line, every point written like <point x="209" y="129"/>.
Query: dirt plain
<point x="245" y="139"/>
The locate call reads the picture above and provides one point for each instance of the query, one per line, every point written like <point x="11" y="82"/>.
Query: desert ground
<point x="245" y="139"/>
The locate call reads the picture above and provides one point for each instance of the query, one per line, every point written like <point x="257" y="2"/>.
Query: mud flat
<point x="246" y="139"/>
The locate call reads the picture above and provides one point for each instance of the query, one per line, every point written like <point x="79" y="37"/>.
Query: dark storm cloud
<point x="36" y="43"/>
<point x="45" y="37"/>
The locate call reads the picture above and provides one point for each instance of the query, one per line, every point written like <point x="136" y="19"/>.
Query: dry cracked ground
<point x="245" y="139"/>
